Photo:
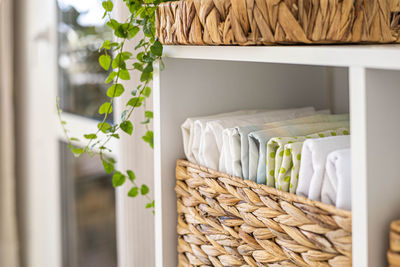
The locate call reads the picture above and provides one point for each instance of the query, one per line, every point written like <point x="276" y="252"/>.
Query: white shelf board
<point x="370" y="56"/>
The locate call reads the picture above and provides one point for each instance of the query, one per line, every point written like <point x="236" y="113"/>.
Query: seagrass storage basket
<point x="266" y="22"/>
<point x="393" y="253"/>
<point x="228" y="221"/>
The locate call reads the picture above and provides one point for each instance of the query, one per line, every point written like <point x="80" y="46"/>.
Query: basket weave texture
<point x="266" y="22"/>
<point x="228" y="221"/>
<point x="393" y="253"/>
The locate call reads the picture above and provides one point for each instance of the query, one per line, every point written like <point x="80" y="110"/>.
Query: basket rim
<point x="269" y="190"/>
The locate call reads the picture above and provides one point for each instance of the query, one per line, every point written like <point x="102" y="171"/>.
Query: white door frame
<point x="39" y="132"/>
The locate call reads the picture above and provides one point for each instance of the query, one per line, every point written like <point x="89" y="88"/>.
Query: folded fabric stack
<point x="301" y="150"/>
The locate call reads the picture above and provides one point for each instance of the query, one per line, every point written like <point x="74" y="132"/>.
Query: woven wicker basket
<point x="228" y="221"/>
<point x="265" y="22"/>
<point x="393" y="253"/>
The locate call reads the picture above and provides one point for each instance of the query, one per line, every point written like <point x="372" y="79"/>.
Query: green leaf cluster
<point x="122" y="65"/>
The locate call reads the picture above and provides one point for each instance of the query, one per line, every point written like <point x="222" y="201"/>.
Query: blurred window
<point x="87" y="194"/>
<point x="81" y="31"/>
<point x="88" y="212"/>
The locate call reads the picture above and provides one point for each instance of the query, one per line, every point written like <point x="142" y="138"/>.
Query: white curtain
<point x="8" y="223"/>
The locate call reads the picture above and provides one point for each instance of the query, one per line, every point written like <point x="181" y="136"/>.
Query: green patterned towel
<point x="284" y="156"/>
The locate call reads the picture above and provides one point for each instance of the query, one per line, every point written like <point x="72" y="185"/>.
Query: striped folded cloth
<point x="284" y="158"/>
<point x="253" y="160"/>
<point x="234" y="157"/>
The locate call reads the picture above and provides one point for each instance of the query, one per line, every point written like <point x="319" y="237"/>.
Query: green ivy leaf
<point x="131" y="175"/>
<point x="74" y="139"/>
<point x="124" y="75"/>
<point x="105" y="61"/>
<point x="126" y="55"/>
<point x="157" y="48"/>
<point x="162" y="67"/>
<point x="134" y="91"/>
<point x="120" y="29"/>
<point x="113" y="24"/>
<point x="148" y="114"/>
<point x="146" y="77"/>
<point x="108" y="5"/>
<point x="115" y="90"/>
<point x="146" y="91"/>
<point x="108" y="166"/>
<point x="148" y="138"/>
<point x="106" y="108"/>
<point x="133" y="31"/>
<point x="133" y="192"/>
<point x="147" y="29"/>
<point x="147" y="121"/>
<point x="148" y="58"/>
<point x="111" y="77"/>
<point x="150" y="205"/>
<point x="77" y="151"/>
<point x="127" y="127"/>
<point x="135" y="101"/>
<point x="119" y="62"/>
<point x="118" y="179"/>
<point x="106" y="45"/>
<point x="124" y="114"/>
<point x="104" y="127"/>
<point x="140" y="11"/>
<point x="141" y="44"/>
<point x="115" y="135"/>
<point x="90" y="136"/>
<point x="139" y="56"/>
<point x="144" y="189"/>
<point x="138" y="66"/>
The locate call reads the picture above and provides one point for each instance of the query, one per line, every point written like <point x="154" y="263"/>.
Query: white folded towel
<point x="193" y="127"/>
<point x="211" y="140"/>
<point x="313" y="161"/>
<point x="336" y="188"/>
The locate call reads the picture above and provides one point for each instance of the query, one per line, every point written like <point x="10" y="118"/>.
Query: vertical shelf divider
<point x="375" y="110"/>
<point x="357" y="88"/>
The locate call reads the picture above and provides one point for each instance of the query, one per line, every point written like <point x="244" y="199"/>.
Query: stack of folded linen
<point x="280" y="148"/>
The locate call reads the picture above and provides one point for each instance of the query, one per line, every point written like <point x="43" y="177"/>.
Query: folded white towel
<point x="211" y="140"/>
<point x="313" y="161"/>
<point x="336" y="188"/>
<point x="192" y="128"/>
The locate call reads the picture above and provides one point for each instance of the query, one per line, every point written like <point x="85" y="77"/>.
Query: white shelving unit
<point x="364" y="80"/>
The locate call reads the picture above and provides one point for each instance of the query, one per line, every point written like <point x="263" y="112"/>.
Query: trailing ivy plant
<point x="121" y="64"/>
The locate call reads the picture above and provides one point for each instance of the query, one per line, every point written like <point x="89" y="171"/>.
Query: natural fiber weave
<point x="265" y="22"/>
<point x="228" y="221"/>
<point x="393" y="253"/>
